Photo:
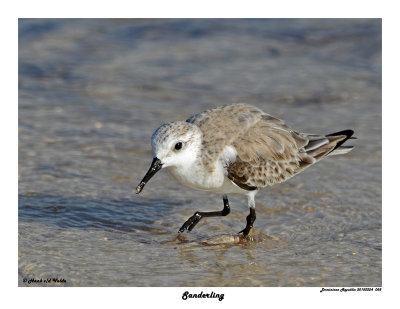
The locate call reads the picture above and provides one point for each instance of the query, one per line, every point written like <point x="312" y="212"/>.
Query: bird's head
<point x="174" y="144"/>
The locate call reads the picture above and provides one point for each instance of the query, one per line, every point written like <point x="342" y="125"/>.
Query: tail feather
<point x="320" y="146"/>
<point x="341" y="150"/>
<point x="315" y="144"/>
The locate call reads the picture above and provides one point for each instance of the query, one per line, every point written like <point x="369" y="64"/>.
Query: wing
<point x="268" y="151"/>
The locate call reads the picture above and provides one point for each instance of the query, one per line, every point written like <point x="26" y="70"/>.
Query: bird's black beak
<point x="154" y="168"/>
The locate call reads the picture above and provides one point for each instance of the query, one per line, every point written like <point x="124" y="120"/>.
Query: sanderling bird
<point x="236" y="149"/>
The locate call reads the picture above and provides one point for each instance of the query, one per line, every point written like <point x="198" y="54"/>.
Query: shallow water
<point x="91" y="93"/>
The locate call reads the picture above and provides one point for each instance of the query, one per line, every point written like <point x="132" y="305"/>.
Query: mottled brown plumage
<point x="268" y="151"/>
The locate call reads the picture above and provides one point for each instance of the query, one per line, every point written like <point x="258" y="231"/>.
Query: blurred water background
<point x="91" y="93"/>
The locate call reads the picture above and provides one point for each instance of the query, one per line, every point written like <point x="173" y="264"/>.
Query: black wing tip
<point x="348" y="133"/>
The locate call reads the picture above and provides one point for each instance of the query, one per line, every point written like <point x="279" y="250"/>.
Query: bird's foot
<point x="245" y="231"/>
<point x="190" y="223"/>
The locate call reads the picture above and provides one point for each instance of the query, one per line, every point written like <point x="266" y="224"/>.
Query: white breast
<point x="197" y="177"/>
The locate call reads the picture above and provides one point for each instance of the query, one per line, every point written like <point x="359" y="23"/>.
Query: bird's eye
<point x="178" y="146"/>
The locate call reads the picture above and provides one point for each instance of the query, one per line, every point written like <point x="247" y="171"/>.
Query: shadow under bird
<point x="236" y="149"/>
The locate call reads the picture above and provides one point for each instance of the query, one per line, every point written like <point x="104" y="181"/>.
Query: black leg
<point x="193" y="220"/>
<point x="250" y="220"/>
